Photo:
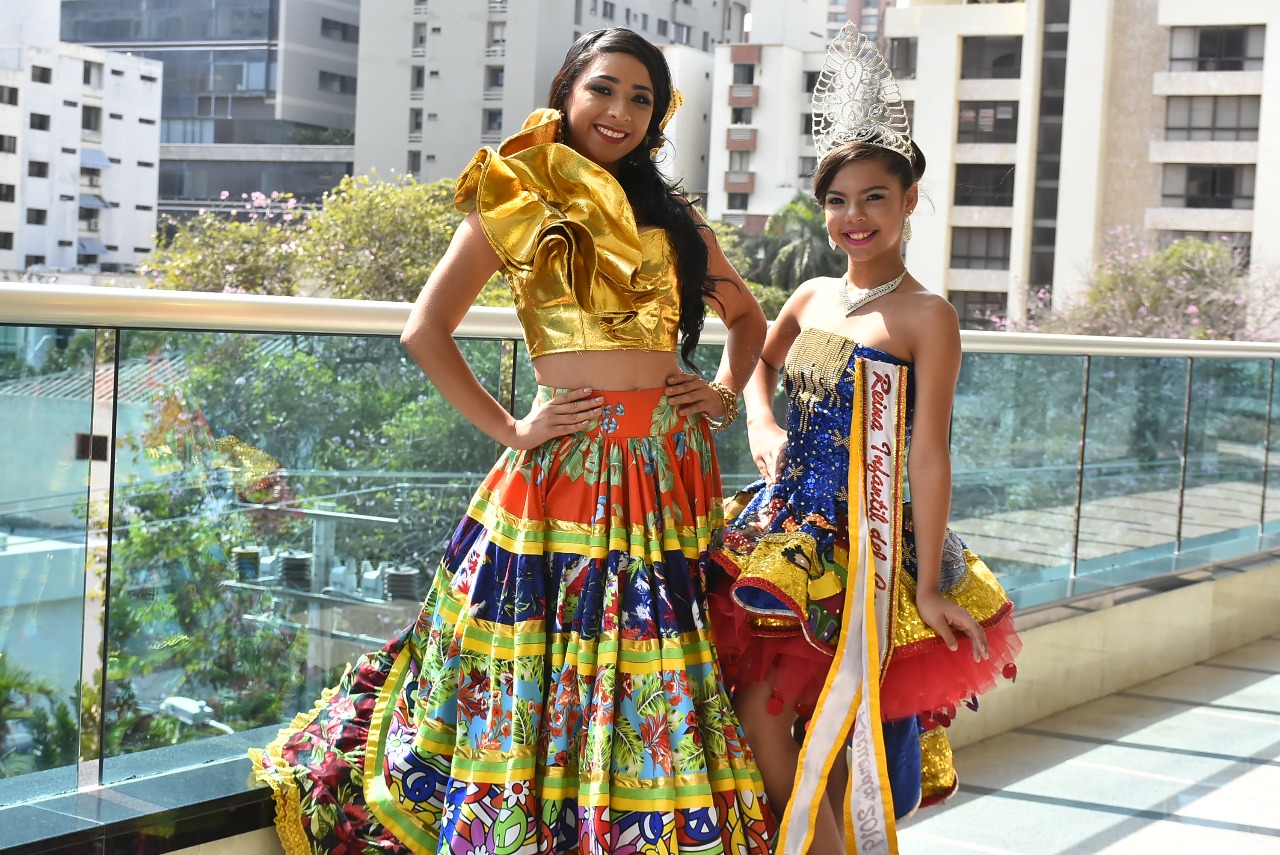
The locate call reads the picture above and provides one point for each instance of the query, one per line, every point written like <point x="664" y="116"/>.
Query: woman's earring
<point x="560" y="127"/>
<point x="906" y="229"/>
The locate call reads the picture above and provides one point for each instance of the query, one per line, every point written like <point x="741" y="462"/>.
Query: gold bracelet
<point x="730" y="402"/>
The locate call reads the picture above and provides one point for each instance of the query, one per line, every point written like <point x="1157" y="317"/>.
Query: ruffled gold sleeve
<point x="582" y="275"/>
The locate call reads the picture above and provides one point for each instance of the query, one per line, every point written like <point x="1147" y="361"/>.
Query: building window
<point x="39" y="122"/>
<point x="8" y="144"/>
<point x="607" y="10"/>
<point x="433" y="73"/>
<point x="984" y="184"/>
<point x="806" y="124"/>
<point x="431" y="158"/>
<point x="339" y="31"/>
<point x="495" y="77"/>
<point x="902" y="57"/>
<point x="810" y="80"/>
<point x="38" y="169"/>
<point x="91" y="119"/>
<point x="341" y="84"/>
<point x="808" y="166"/>
<point x="741" y="116"/>
<point x="147" y="78"/>
<point x="8" y="192"/>
<point x="415" y="162"/>
<point x="415" y="120"/>
<point x="419" y="35"/>
<point x="737" y="201"/>
<point x="1197" y="185"/>
<point x="91" y="446"/>
<point x="644" y="20"/>
<point x="979" y="310"/>
<point x="683" y="34"/>
<point x="432" y="117"/>
<point x="417" y="77"/>
<point x="739" y="161"/>
<point x="987" y="122"/>
<point x="1216" y="48"/>
<point x="493" y="121"/>
<point x="146" y="164"/>
<point x="980" y="249"/>
<point x="988" y="57"/>
<point x="662" y="27"/>
<point x="93" y="74"/>
<point x="6" y="240"/>
<point x="90" y="176"/>
<point x="33" y="261"/>
<point x="37" y="216"/>
<point x="1209" y="117"/>
<point x="143" y="208"/>
<point x="40" y="74"/>
<point x="744" y="73"/>
<point x="9" y="95"/>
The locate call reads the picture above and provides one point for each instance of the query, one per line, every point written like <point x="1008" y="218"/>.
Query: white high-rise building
<point x="438" y="80"/>
<point x="79" y="148"/>
<point x="1152" y="112"/>
<point x="259" y="95"/>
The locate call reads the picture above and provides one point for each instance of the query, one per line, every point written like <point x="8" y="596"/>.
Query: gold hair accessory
<point x="676" y="100"/>
<point x="856" y="98"/>
<point x="730" y="401"/>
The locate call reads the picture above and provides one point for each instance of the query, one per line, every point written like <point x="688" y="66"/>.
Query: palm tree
<point x="17" y="690"/>
<point x="794" y="246"/>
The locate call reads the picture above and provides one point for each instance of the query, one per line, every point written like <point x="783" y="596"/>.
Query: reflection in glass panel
<point x="1015" y="440"/>
<point x="1271" y="511"/>
<point x="1226" y="441"/>
<point x="48" y="416"/>
<point x="1133" y="447"/>
<point x="281" y="503"/>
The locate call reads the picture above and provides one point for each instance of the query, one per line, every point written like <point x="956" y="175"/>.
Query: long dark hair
<point x="654" y="201"/>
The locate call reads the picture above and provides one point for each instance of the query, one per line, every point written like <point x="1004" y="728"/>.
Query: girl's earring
<point x="906" y="229"/>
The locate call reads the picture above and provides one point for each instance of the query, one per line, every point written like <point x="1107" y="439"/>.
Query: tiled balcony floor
<point x="1186" y="763"/>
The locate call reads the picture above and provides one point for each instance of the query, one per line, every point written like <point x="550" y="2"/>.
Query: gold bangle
<point x="730" y="401"/>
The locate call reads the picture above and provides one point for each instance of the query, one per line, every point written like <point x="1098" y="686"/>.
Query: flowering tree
<point x="253" y="252"/>
<point x="1191" y="289"/>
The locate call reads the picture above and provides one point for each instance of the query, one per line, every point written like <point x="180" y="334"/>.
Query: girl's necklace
<point x="852" y="304"/>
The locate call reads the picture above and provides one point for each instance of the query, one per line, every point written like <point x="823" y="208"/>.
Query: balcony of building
<point x="739" y="182"/>
<point x="202" y="519"/>
<point x="740" y="139"/>
<point x="744" y="95"/>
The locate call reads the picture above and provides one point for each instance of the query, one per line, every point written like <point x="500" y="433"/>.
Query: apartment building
<point x="258" y="94"/>
<point x="442" y="79"/>
<point x="79" y="147"/>
<point x="1151" y="112"/>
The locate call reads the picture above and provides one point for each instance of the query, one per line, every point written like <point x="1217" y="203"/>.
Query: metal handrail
<point x="33" y="304"/>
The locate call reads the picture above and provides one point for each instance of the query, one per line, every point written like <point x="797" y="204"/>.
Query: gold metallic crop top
<point x="583" y="276"/>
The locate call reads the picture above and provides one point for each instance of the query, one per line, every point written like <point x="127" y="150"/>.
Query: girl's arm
<point x="937" y="366"/>
<point x="428" y="338"/>
<point x="768" y="441"/>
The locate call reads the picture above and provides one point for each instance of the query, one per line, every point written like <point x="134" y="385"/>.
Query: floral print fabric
<point x="559" y="691"/>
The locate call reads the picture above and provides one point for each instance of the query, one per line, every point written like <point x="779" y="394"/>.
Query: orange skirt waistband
<point x="632" y="413"/>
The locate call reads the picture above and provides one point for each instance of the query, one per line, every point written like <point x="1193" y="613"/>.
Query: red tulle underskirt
<point x="923" y="679"/>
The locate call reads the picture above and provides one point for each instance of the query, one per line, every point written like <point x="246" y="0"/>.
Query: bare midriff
<point x="607" y="370"/>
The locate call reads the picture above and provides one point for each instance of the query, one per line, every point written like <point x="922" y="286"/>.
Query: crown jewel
<point x="856" y="98"/>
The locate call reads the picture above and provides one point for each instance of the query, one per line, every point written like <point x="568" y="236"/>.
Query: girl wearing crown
<point x="559" y="691"/>
<point x="844" y="613"/>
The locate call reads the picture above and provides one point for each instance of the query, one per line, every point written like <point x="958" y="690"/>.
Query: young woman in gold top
<point x="559" y="691"/>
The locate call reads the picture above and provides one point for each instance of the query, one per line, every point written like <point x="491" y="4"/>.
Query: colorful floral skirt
<point x="559" y="691"/>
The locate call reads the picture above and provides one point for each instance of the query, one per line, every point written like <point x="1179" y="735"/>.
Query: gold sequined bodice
<point x="584" y="278"/>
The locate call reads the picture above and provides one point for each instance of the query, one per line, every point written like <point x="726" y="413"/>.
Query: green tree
<point x="21" y="694"/>
<point x="377" y="239"/>
<point x="733" y="245"/>
<point x="795" y="246"/>
<point x="254" y="253"/>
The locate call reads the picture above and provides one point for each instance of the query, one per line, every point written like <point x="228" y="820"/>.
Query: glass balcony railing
<point x="211" y="503"/>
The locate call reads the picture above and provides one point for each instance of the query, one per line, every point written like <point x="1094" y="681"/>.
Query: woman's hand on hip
<point x="690" y="393"/>
<point x="564" y="414"/>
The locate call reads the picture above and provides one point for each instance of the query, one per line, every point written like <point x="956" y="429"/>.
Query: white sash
<point x="850" y="699"/>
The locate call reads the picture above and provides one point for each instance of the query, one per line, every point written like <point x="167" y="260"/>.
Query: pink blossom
<point x="223" y="195"/>
<point x="1193" y="310"/>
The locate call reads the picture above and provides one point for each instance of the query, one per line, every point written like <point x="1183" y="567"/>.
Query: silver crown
<point x="856" y="98"/>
